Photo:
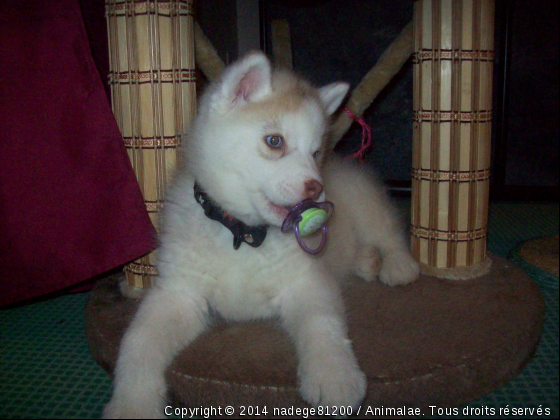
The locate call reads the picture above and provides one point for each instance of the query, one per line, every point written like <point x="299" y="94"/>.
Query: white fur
<point x="199" y="268"/>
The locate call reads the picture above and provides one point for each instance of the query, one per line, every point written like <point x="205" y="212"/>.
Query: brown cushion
<point x="434" y="342"/>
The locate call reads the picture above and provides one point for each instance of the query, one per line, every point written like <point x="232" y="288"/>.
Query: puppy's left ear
<point x="247" y="80"/>
<point x="332" y="95"/>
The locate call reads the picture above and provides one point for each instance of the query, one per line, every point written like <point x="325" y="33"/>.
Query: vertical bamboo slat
<point x="453" y="65"/>
<point x="152" y="77"/>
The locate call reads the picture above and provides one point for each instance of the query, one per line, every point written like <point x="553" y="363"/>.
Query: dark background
<point x="526" y="96"/>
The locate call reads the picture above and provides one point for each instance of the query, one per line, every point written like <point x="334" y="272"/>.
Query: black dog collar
<point x="251" y="235"/>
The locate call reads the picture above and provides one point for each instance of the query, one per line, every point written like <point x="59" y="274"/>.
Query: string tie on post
<point x="366" y="136"/>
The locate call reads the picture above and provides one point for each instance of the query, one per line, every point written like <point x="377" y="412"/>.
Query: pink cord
<point x="366" y="136"/>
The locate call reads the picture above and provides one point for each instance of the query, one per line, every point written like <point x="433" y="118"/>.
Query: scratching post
<point x="151" y="51"/>
<point x="453" y="63"/>
<point x="417" y="343"/>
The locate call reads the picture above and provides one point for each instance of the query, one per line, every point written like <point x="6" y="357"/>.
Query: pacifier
<point x="306" y="218"/>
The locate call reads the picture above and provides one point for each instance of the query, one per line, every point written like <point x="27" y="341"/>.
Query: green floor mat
<point x="45" y="364"/>
<point x="46" y="370"/>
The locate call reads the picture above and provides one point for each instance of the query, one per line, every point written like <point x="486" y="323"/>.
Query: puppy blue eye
<point x="274" y="141"/>
<point x="316" y="154"/>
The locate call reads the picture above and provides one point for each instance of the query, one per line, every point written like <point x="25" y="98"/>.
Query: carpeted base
<point x="435" y="342"/>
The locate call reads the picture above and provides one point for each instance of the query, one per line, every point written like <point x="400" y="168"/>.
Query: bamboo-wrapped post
<point x="152" y="77"/>
<point x="453" y="63"/>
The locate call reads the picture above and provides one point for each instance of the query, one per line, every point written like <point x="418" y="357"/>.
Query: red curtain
<point x="70" y="205"/>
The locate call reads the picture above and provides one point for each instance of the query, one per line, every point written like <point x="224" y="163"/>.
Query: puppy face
<point x="259" y="138"/>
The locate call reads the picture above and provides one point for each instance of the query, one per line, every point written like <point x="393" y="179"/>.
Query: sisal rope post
<point x="377" y="78"/>
<point x="282" y="44"/>
<point x="453" y="65"/>
<point x="207" y="57"/>
<point x="153" y="92"/>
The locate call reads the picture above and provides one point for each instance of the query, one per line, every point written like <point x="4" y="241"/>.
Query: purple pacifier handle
<point x="305" y="247"/>
<point x="293" y="218"/>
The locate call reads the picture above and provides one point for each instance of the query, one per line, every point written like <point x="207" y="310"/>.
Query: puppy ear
<point x="332" y="95"/>
<point x="247" y="80"/>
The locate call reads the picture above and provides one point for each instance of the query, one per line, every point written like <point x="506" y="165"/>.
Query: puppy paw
<point x="399" y="268"/>
<point x="338" y="383"/>
<point x="367" y="263"/>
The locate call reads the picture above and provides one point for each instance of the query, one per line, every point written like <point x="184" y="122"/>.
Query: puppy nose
<point x="313" y="189"/>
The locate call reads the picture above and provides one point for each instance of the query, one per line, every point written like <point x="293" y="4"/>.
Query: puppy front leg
<point x="329" y="375"/>
<point x="165" y="323"/>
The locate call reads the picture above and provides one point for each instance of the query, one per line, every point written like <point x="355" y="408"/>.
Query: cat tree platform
<point x="435" y="342"/>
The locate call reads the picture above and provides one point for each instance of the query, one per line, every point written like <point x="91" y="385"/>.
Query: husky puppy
<point x="257" y="148"/>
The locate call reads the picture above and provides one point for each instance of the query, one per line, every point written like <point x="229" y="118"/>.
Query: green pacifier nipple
<point x="311" y="221"/>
